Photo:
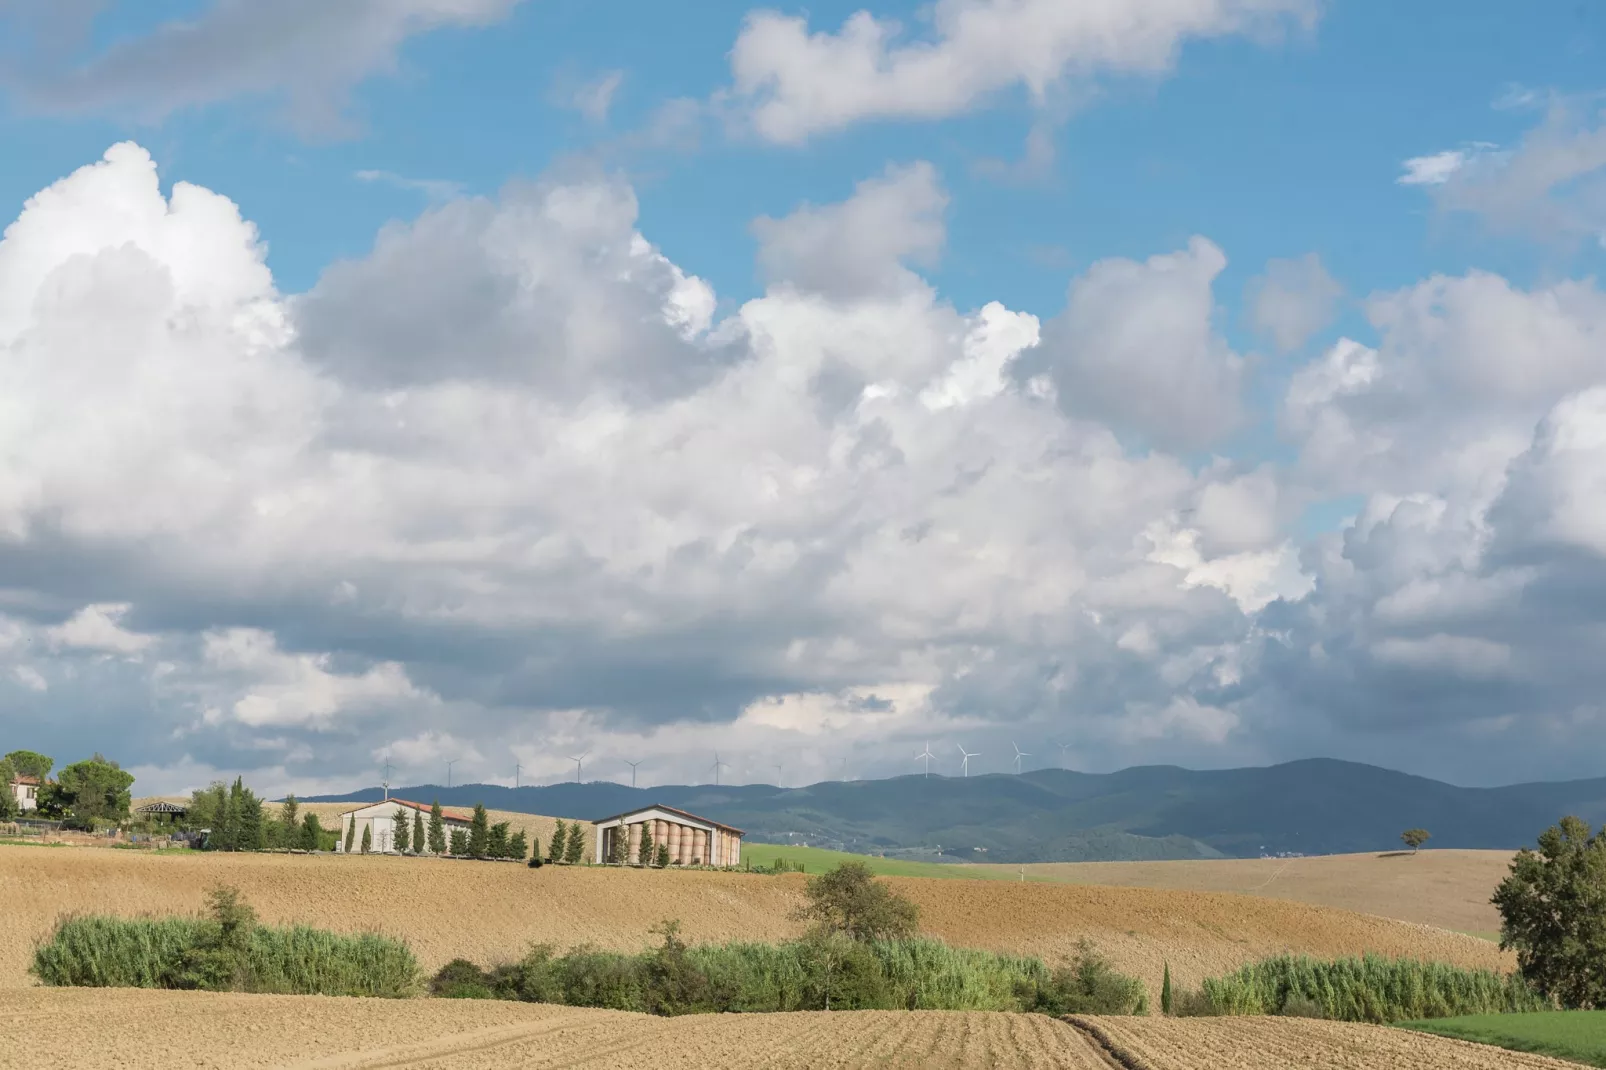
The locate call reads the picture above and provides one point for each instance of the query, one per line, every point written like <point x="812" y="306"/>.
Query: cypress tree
<point x="518" y="846"/>
<point x="479" y="832"/>
<point x="1165" y="991"/>
<point x="367" y="838"/>
<point x="400" y="835"/>
<point x="351" y="830"/>
<point x="311" y="831"/>
<point x="574" y="852"/>
<point x="560" y="843"/>
<point x="459" y="843"/>
<point x="645" y="853"/>
<point x="663" y="856"/>
<point x="437" y="829"/>
<point x="496" y="843"/>
<point x="289" y="822"/>
<point x="418" y="831"/>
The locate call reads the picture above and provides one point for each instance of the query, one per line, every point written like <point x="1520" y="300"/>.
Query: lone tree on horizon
<point x="1415" y="838"/>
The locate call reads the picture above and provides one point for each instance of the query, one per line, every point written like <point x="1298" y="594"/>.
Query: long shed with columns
<point x="692" y="840"/>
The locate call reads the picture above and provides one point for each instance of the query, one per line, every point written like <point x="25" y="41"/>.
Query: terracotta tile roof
<point x="24" y="778"/>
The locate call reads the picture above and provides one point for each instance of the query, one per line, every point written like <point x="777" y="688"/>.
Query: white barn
<point x="379" y="819"/>
<point x="692" y="840"/>
<point x="25" y="789"/>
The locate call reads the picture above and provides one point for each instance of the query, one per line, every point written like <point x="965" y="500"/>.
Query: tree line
<point x="86" y="795"/>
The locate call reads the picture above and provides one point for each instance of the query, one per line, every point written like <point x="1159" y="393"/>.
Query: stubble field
<point x="1449" y="889"/>
<point x="491" y="912"/>
<point x="141" y="1030"/>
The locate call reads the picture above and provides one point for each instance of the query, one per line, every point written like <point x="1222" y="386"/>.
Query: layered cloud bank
<point x="511" y="487"/>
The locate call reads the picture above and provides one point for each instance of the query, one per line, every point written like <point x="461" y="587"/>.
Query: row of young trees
<point x="237" y="821"/>
<point x="84" y="795"/>
<point x="411" y="835"/>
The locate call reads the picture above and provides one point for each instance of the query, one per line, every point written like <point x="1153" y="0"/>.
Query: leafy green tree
<point x="645" y="851"/>
<point x="479" y="832"/>
<point x="1165" y="991"/>
<point x="351" y="833"/>
<point x="518" y="847"/>
<point x="560" y="842"/>
<point x="402" y="836"/>
<point x="437" y="829"/>
<point x="367" y="838"/>
<point x="311" y="832"/>
<point x="207" y="805"/>
<point x="663" y="856"/>
<point x="619" y="852"/>
<point x="574" y="852"/>
<point x="850" y="900"/>
<point x="496" y="842"/>
<point x="1553" y="914"/>
<point x="97" y="790"/>
<point x="31" y="763"/>
<point x="418" y="831"/>
<point x="459" y="843"/>
<point x="9" y="806"/>
<point x="1415" y="838"/>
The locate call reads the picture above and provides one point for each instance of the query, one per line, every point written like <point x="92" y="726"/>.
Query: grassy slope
<point x="1576" y="1035"/>
<point x="818" y="860"/>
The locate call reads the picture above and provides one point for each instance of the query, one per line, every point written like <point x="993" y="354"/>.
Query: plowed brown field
<point x="1449" y="889"/>
<point x="126" y="1029"/>
<point x="140" y="1030"/>
<point x="1296" y="1044"/>
<point x="491" y="912"/>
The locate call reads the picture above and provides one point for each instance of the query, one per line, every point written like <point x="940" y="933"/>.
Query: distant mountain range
<point x="1317" y="806"/>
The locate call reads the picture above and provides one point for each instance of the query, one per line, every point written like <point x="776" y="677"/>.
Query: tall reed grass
<point x="1368" y="989"/>
<point x="179" y="952"/>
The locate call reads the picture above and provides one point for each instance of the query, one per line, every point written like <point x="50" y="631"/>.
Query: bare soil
<point x="490" y="912"/>
<point x="139" y="1030"/>
<point x="1447" y="889"/>
<point x="128" y="1029"/>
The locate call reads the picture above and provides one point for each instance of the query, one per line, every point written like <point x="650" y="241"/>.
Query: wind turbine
<point x="517" y="769"/>
<point x="449" y="765"/>
<point x="579" y="765"/>
<point x="965" y="765"/>
<point x="1062" y="747"/>
<point x="926" y="755"/>
<point x="632" y="766"/>
<point x="1019" y="754"/>
<point x="778" y="775"/>
<point x="386" y="781"/>
<point x="717" y="765"/>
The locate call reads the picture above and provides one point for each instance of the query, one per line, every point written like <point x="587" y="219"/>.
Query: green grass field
<point x="819" y="860"/>
<point x="1576" y="1035"/>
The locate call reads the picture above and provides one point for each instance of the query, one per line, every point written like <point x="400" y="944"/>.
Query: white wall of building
<point x="380" y="821"/>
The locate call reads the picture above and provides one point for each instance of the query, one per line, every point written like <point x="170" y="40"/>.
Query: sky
<point x="1122" y="382"/>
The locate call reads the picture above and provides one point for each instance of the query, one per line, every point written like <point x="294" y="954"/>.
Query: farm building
<point x="380" y="820"/>
<point x="692" y="840"/>
<point x="26" y="791"/>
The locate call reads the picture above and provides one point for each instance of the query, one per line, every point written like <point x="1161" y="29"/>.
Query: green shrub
<point x="824" y="970"/>
<point x="226" y="951"/>
<point x="1369" y="989"/>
